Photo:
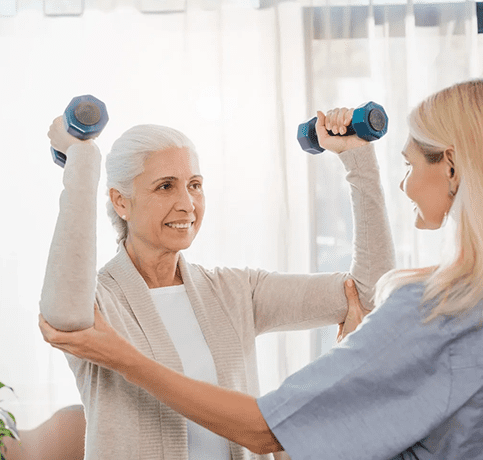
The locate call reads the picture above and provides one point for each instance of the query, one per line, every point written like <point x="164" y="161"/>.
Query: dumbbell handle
<point x="58" y="157"/>
<point x="349" y="132"/>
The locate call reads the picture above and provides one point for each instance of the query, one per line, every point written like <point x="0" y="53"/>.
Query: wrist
<point x="76" y="141"/>
<point x="351" y="144"/>
<point x="132" y="364"/>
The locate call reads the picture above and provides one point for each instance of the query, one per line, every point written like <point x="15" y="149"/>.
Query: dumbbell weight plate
<point x="377" y="120"/>
<point x="88" y="113"/>
<point x="85" y="117"/>
<point x="370" y="121"/>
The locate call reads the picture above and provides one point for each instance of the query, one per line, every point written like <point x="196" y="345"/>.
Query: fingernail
<point x="349" y="283"/>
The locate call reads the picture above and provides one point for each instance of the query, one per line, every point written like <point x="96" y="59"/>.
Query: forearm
<point x="227" y="413"/>
<point x="373" y="250"/>
<point x="68" y="292"/>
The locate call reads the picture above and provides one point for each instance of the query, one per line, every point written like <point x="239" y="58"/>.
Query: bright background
<point x="237" y="77"/>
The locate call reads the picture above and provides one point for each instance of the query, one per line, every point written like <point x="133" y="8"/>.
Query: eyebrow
<point x="172" y="178"/>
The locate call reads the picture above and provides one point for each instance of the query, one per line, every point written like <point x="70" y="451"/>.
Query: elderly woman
<point x="199" y="322"/>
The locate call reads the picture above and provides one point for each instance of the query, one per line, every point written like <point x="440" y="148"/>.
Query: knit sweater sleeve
<point x="287" y="301"/>
<point x="68" y="292"/>
<point x="373" y="249"/>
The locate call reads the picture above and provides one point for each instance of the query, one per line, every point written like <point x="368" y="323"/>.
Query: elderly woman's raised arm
<point x="68" y="292"/>
<point x="283" y="302"/>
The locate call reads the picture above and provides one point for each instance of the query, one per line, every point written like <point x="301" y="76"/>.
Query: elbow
<point x="267" y="448"/>
<point x="263" y="442"/>
<point x="70" y="323"/>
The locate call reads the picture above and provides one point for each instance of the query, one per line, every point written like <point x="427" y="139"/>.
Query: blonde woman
<point x="199" y="322"/>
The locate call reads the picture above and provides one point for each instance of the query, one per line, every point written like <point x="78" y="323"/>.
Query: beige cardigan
<point x="232" y="306"/>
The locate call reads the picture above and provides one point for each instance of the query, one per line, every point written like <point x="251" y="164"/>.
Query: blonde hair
<point x="453" y="118"/>
<point x="126" y="160"/>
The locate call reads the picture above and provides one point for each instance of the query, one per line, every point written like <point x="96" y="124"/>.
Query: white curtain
<point x="229" y="77"/>
<point x="237" y="81"/>
<point x="394" y="54"/>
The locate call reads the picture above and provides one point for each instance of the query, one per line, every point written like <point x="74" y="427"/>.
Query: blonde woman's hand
<point x="355" y="312"/>
<point x="99" y="344"/>
<point x="60" y="139"/>
<point x="336" y="120"/>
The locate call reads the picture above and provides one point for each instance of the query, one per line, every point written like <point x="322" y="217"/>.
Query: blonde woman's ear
<point x="451" y="171"/>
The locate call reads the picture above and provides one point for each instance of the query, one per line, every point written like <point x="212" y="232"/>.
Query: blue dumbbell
<point x="369" y="122"/>
<point x="85" y="117"/>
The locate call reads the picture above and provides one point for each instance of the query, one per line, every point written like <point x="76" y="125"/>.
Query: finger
<point x="354" y="312"/>
<point x="99" y="320"/>
<point x="61" y="348"/>
<point x="340" y="332"/>
<point x="351" y="293"/>
<point x="333" y="117"/>
<point x="348" y="117"/>
<point x="321" y="119"/>
<point x="45" y="328"/>
<point x="328" y="120"/>
<point x="52" y="335"/>
<point x="320" y="126"/>
<point x="352" y="296"/>
<point x="340" y="120"/>
<point x="350" y="290"/>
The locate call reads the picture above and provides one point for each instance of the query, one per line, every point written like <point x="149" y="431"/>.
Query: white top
<point x="177" y="314"/>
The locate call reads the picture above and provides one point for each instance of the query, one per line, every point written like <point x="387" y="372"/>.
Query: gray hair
<point x="126" y="160"/>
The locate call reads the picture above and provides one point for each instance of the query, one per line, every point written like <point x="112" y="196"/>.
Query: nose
<point x="401" y="185"/>
<point x="184" y="201"/>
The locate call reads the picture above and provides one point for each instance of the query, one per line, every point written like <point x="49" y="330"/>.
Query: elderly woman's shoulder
<point x="230" y="276"/>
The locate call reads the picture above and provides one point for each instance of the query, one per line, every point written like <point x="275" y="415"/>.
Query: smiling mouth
<point x="174" y="225"/>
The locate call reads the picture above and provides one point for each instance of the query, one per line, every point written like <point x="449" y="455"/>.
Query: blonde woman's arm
<point x="378" y="392"/>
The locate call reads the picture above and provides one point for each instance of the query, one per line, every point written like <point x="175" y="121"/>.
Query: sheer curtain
<point x="238" y="81"/>
<point x="226" y="74"/>
<point x="395" y="54"/>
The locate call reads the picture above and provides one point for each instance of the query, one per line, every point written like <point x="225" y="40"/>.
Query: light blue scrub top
<point x="395" y="389"/>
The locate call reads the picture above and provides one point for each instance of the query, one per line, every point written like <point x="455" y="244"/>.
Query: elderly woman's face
<point x="168" y="205"/>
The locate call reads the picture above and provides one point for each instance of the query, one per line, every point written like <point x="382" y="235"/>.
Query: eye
<point x="197" y="185"/>
<point x="407" y="164"/>
<point x="165" y="186"/>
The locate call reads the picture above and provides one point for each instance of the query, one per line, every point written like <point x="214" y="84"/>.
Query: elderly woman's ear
<point x="119" y="202"/>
